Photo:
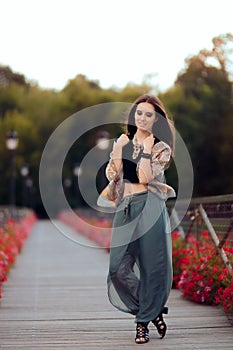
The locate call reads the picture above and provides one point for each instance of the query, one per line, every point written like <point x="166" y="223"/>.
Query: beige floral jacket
<point x="161" y="154"/>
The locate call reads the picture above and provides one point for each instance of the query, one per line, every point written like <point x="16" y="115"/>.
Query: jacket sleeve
<point x="161" y="156"/>
<point x="111" y="172"/>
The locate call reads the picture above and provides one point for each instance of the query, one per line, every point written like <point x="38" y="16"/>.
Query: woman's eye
<point x="149" y="114"/>
<point x="139" y="112"/>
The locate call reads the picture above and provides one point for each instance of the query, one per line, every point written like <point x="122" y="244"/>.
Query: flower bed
<point x="197" y="270"/>
<point x="12" y="237"/>
<point x="200" y="273"/>
<point x="227" y="301"/>
<point x="96" y="229"/>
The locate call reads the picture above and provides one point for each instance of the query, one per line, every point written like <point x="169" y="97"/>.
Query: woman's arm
<point x="117" y="151"/>
<point x="160" y="158"/>
<point x="114" y="166"/>
<point x="145" y="174"/>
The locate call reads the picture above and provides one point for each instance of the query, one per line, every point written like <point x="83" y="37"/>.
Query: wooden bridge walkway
<point x="56" y="299"/>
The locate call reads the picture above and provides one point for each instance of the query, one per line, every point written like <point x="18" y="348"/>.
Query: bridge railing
<point x="214" y="214"/>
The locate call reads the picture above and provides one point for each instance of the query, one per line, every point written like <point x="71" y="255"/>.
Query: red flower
<point x="12" y="236"/>
<point x="198" y="271"/>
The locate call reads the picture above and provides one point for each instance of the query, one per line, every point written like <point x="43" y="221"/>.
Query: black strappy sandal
<point x="160" y="324"/>
<point x="142" y="333"/>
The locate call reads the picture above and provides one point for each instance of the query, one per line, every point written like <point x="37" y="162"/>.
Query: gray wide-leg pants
<point x="140" y="269"/>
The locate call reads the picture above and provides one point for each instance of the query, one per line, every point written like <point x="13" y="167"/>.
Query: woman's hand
<point x="122" y="140"/>
<point x="148" y="144"/>
<point x="117" y="151"/>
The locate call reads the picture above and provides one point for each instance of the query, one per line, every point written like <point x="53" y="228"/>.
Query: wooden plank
<point x="56" y="298"/>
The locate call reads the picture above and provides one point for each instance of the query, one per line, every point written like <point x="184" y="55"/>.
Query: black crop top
<point x="130" y="164"/>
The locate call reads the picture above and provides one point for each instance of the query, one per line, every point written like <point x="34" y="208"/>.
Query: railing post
<point x="176" y="219"/>
<point x="215" y="238"/>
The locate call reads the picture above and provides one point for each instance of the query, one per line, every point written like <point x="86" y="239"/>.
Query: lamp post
<point x="67" y="183"/>
<point x="24" y="171"/>
<point x="12" y="141"/>
<point x="102" y="143"/>
<point x="77" y="171"/>
<point x="29" y="190"/>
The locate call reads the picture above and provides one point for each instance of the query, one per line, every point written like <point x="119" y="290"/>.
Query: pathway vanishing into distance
<point x="56" y="298"/>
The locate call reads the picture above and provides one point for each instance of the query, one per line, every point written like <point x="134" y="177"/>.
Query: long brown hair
<point x="162" y="128"/>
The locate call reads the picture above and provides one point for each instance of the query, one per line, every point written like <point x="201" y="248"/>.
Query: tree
<point x="7" y="77"/>
<point x="201" y="101"/>
<point x="221" y="52"/>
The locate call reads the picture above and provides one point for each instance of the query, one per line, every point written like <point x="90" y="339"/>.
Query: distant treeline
<point x="200" y="103"/>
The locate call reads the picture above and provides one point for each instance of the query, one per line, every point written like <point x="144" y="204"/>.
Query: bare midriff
<point x="132" y="188"/>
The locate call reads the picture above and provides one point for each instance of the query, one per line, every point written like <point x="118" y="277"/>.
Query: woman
<point x="140" y="271"/>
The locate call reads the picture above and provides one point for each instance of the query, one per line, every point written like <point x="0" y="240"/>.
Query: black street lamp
<point x="77" y="171"/>
<point x="102" y="143"/>
<point x="24" y="171"/>
<point x="12" y="141"/>
<point x="67" y="183"/>
<point x="29" y="190"/>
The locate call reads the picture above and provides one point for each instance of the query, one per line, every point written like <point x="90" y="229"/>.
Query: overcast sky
<point x="114" y="42"/>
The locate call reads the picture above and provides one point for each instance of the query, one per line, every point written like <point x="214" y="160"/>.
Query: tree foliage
<point x="200" y="103"/>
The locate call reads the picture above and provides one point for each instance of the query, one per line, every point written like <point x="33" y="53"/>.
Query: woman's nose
<point x="142" y="116"/>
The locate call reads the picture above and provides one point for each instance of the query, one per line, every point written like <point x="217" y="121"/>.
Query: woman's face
<point x="145" y="116"/>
